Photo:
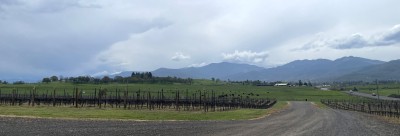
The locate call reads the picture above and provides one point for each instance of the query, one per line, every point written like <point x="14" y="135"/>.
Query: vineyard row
<point x="179" y="100"/>
<point x="382" y="108"/>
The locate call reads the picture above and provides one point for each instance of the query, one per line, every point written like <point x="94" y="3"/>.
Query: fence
<point x="377" y="107"/>
<point x="177" y="100"/>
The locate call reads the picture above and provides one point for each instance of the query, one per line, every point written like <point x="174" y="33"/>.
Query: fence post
<point x="33" y="96"/>
<point x="76" y="97"/>
<point x="125" y="98"/>
<point x="54" y="97"/>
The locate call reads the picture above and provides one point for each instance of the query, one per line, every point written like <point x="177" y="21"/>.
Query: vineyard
<point x="381" y="107"/>
<point x="150" y="100"/>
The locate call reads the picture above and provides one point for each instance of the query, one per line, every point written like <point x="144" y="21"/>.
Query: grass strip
<point x="121" y="114"/>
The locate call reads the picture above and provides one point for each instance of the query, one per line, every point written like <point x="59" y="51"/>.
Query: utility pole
<point x="398" y="91"/>
<point x="377" y="87"/>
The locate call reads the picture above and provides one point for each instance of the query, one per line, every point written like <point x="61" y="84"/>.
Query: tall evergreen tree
<point x="133" y="74"/>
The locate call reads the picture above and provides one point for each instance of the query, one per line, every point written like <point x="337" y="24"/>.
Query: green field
<point x="282" y="94"/>
<point x="384" y="90"/>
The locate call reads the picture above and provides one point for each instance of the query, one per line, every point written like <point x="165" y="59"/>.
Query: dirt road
<point x="301" y="118"/>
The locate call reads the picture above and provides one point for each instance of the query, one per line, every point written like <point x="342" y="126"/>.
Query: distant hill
<point x="217" y="70"/>
<point x="346" y="68"/>
<point x="385" y="71"/>
<point x="123" y="74"/>
<point x="320" y="69"/>
<point x="299" y="69"/>
<point x="342" y="69"/>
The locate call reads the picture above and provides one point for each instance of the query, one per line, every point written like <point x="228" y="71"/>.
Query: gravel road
<point x="301" y="118"/>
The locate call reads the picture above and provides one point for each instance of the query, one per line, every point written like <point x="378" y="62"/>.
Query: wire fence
<point x="376" y="107"/>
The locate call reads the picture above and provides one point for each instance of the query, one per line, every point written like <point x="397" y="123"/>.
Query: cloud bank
<point x="41" y="38"/>
<point x="179" y="57"/>
<point x="245" y="57"/>
<point x="357" y="40"/>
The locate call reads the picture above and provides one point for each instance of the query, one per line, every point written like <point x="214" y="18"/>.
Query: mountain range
<point x="342" y="69"/>
<point x="221" y="70"/>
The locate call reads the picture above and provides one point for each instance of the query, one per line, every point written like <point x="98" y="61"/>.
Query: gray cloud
<point x="6" y="3"/>
<point x="9" y="2"/>
<point x="71" y="37"/>
<point x="387" y="38"/>
<point x="246" y="57"/>
<point x="179" y="56"/>
<point x="198" y="64"/>
<point x="354" y="41"/>
<point x="45" y="6"/>
<point x="390" y="37"/>
<point x="62" y="42"/>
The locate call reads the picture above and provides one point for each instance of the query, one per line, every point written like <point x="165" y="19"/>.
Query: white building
<point x="281" y="84"/>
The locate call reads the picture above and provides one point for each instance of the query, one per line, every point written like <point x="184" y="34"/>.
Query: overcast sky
<point x="89" y="37"/>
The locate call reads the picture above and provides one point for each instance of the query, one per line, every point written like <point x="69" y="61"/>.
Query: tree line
<point x="265" y="83"/>
<point x="136" y="77"/>
<point x="3" y="82"/>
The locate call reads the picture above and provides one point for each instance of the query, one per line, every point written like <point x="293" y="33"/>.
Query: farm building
<point x="281" y="84"/>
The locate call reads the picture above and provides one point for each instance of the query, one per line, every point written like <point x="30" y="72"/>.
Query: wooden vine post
<point x="76" y="97"/>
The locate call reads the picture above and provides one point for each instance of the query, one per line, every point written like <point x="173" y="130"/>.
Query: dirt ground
<point x="300" y="118"/>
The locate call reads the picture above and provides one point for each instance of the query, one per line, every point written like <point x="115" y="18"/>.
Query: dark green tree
<point x="19" y="82"/>
<point x="105" y="79"/>
<point x="133" y="74"/>
<point x="46" y="80"/>
<point x="190" y="80"/>
<point x="119" y="79"/>
<point x="300" y="83"/>
<point x="96" y="80"/>
<point x="54" y="78"/>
